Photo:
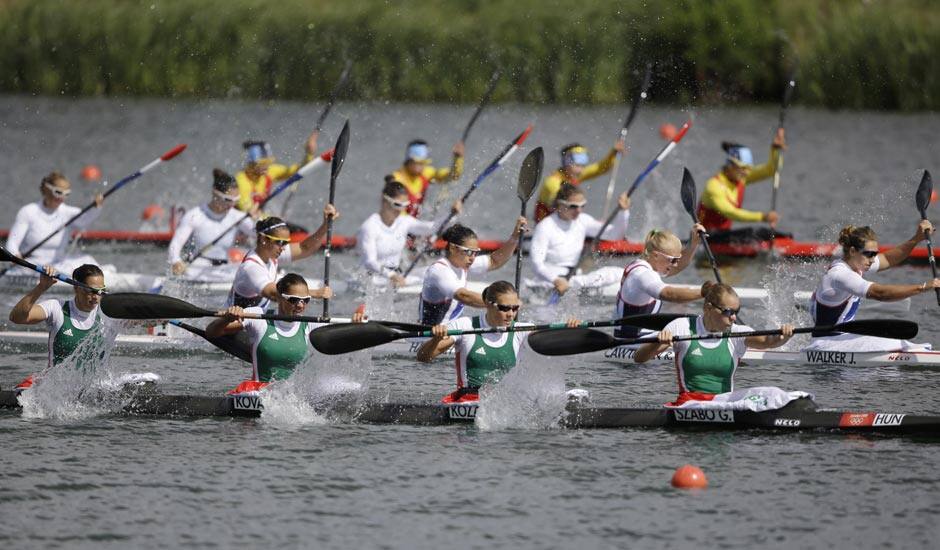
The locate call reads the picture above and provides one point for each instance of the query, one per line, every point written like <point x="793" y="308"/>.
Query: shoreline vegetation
<point x="853" y="54"/>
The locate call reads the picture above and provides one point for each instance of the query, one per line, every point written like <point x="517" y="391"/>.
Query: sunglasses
<point x="573" y="205"/>
<point x="93" y="289"/>
<point x="60" y="193"/>
<point x="673" y="260"/>
<point x="395" y="204"/>
<point x="280" y="241"/>
<point x="726" y="311"/>
<point x="296" y="300"/>
<point x="505" y="307"/>
<point x="868" y="253"/>
<point x="468" y="251"/>
<point x="224" y="197"/>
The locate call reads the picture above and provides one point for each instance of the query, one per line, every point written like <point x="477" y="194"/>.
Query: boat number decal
<point x="703" y="415"/>
<point x="855" y="420"/>
<point x="626" y="352"/>
<point x="248" y="403"/>
<point x="787" y="422"/>
<point x="885" y="419"/>
<point x="464" y="412"/>
<point x="830" y="357"/>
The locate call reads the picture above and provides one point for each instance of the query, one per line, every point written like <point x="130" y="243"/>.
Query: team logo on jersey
<point x="68" y="332"/>
<point x="696" y="351"/>
<point x="274" y="337"/>
<point x="480" y="351"/>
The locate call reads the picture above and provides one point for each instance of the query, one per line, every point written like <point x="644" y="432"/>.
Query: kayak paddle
<point x="922" y="199"/>
<point x="689" y="196"/>
<point x="529" y="176"/>
<point x="583" y="340"/>
<point x="339" y="157"/>
<point x="6" y="256"/>
<point x="236" y="345"/>
<point x="499" y="161"/>
<point x="634" y="107"/>
<point x="349" y="337"/>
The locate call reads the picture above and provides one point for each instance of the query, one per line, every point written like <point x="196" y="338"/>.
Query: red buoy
<point x="91" y="173"/>
<point x="689" y="477"/>
<point x="152" y="212"/>
<point x="933" y="196"/>
<point x="668" y="131"/>
<point x="236" y="255"/>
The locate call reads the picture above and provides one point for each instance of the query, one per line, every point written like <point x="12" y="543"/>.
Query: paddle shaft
<point x="717" y="335"/>
<point x="518" y="279"/>
<point x="29" y="265"/>
<point x="930" y="258"/>
<point x="524" y="328"/>
<point x="503" y="157"/>
<point x="641" y="93"/>
<point x="166" y="156"/>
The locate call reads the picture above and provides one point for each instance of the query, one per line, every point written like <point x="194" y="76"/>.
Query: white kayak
<point x="406" y="348"/>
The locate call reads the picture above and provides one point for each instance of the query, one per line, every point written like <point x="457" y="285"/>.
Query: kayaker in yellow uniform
<point x="724" y="194"/>
<point x="417" y="174"/>
<point x="261" y="172"/>
<point x="574" y="169"/>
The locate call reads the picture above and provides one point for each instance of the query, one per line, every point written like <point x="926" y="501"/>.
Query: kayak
<point x="799" y="415"/>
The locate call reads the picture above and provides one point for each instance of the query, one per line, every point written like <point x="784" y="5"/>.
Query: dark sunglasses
<point x="505" y="308"/>
<point x="868" y="253"/>
<point x="726" y="311"/>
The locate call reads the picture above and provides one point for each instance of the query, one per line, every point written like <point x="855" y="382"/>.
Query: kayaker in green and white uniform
<point x="481" y="358"/>
<point x="69" y="322"/>
<point x="277" y="347"/>
<point x="705" y="368"/>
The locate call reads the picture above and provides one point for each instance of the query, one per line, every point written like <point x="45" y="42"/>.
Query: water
<point x="296" y="479"/>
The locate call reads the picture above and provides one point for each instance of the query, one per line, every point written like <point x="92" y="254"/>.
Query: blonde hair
<point x="855" y="237"/>
<point x="659" y="239"/>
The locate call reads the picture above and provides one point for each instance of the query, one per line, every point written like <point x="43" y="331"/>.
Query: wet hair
<point x="222" y="181"/>
<point x="458" y="234"/>
<point x="717" y="291"/>
<point x="497" y="289"/>
<point x="53" y="177"/>
<point x="566" y="191"/>
<point x="265" y="225"/>
<point x="658" y="239"/>
<point x="393" y="188"/>
<point x="289" y="280"/>
<point x="855" y="237"/>
<point x="84" y="271"/>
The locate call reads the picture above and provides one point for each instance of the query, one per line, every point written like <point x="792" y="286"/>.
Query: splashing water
<point x="530" y="396"/>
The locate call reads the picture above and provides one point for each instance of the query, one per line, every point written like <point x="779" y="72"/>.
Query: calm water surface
<point x="81" y="479"/>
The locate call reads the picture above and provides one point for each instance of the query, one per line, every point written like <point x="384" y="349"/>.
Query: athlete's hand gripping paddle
<point x="922" y="199"/>
<point x="6" y="256"/>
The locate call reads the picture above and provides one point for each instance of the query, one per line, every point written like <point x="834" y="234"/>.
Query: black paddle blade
<point x="689" y="194"/>
<point x="349" y="337"/>
<point x="640" y="95"/>
<point x="237" y="345"/>
<point x="410" y="327"/>
<point x="5" y="255"/>
<point x="339" y="153"/>
<point x="654" y="321"/>
<point x="886" y="328"/>
<point x="530" y="173"/>
<point x="141" y="305"/>
<point x="923" y="194"/>
<point x="570" y="341"/>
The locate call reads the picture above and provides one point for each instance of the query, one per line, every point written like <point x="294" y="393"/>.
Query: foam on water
<point x="530" y="396"/>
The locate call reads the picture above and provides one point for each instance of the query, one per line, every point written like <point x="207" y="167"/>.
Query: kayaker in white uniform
<point x="843" y="287"/>
<point x="383" y="235"/>
<point x="69" y="322"/>
<point x="480" y="358"/>
<point x="558" y="240"/>
<point x="642" y="290"/>
<point x="444" y="293"/>
<point x="254" y="284"/>
<point x="705" y="368"/>
<point x="204" y="224"/>
<point x="36" y="221"/>
<point x="277" y="347"/>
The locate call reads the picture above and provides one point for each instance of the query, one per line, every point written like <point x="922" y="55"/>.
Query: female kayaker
<point x="574" y="169"/>
<point x="417" y="174"/>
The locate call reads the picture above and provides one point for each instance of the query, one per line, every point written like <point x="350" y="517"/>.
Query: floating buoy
<point x="152" y="212"/>
<point x="668" y="131"/>
<point x="689" y="477"/>
<point x="933" y="196"/>
<point x="236" y="255"/>
<point x="91" y="173"/>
